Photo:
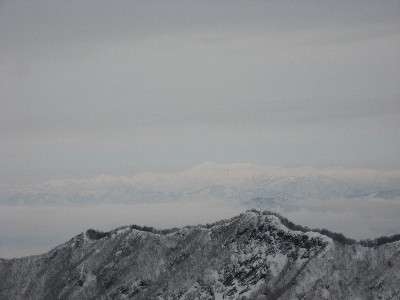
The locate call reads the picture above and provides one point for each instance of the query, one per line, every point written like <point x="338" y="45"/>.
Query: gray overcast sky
<point x="118" y="87"/>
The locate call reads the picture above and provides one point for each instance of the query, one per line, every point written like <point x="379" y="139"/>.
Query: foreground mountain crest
<point x="251" y="256"/>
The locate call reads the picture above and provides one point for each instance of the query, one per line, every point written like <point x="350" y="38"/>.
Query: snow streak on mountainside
<point x="251" y="256"/>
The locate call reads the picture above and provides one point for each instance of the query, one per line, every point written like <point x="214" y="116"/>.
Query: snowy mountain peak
<point x="250" y="256"/>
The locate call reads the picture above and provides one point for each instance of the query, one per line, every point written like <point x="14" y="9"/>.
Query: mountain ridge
<point x="250" y="256"/>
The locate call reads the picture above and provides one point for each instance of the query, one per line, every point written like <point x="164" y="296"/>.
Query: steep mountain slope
<point x="251" y="256"/>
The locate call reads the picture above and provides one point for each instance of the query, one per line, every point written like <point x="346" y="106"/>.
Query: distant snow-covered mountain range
<point x="244" y="183"/>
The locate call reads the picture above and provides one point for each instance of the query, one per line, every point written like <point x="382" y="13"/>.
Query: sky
<point x="121" y="87"/>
